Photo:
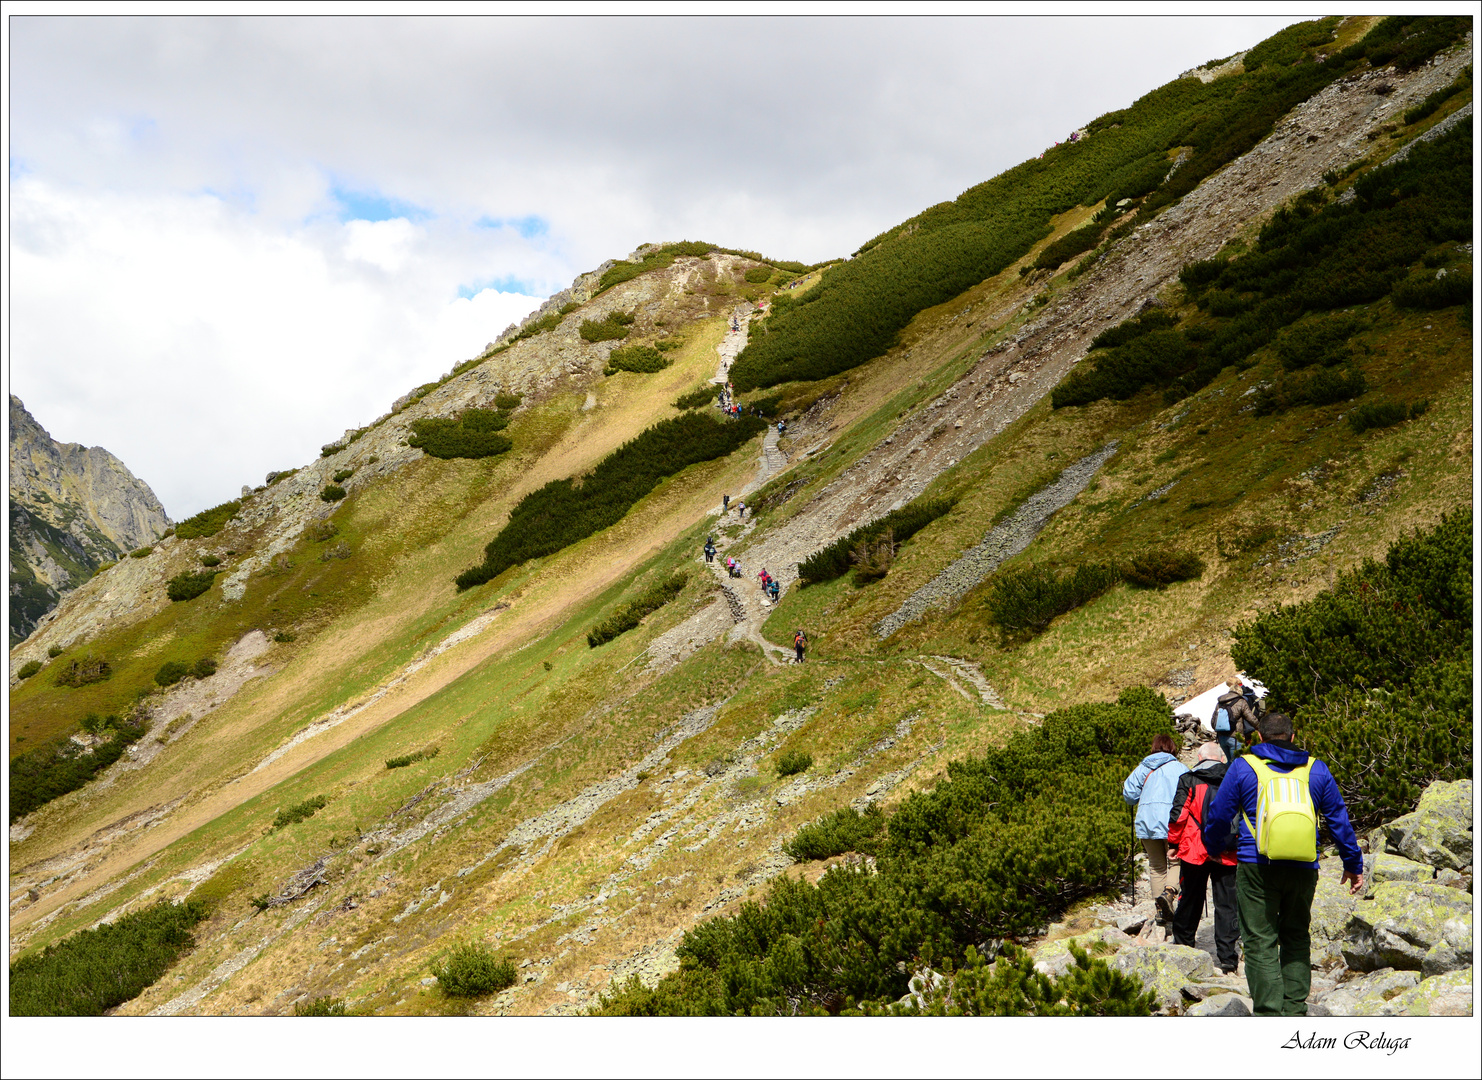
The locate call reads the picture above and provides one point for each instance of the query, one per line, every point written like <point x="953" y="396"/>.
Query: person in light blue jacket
<point x="1151" y="787"/>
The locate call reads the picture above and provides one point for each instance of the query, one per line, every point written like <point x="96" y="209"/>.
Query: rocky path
<point x="732" y="344"/>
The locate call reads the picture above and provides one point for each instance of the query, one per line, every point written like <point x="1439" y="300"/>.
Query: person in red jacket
<point x="1196" y="790"/>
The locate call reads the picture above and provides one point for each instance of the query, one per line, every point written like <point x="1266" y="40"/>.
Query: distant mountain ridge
<point x="72" y="508"/>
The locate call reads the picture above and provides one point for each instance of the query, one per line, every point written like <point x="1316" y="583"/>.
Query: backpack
<point x="1221" y="719"/>
<point x="1186" y="835"/>
<point x="1286" y="820"/>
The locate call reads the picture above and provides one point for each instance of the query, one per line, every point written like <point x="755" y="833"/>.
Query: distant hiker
<point x="725" y="503"/>
<point x="1273" y="795"/>
<point x="741" y="510"/>
<point x="775" y="589"/>
<point x="1200" y="866"/>
<point x="1150" y="787"/>
<point x="781" y="427"/>
<point x="710" y="549"/>
<point x="1233" y="715"/>
<point x="799" y="644"/>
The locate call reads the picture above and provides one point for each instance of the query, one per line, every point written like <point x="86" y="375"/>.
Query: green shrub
<point x="283" y="637"/>
<point x="171" y="673"/>
<point x="321" y="531"/>
<point x="631" y="614"/>
<point x="1002" y="846"/>
<point x="1069" y="246"/>
<point x="612" y="328"/>
<point x="1325" y="386"/>
<point x="54" y="652"/>
<point x="759" y="275"/>
<point x="279" y="477"/>
<point x="332" y="493"/>
<point x="564" y="512"/>
<point x="1376" y="414"/>
<point x="1429" y="292"/>
<point x="99" y="969"/>
<point x="669" y="344"/>
<point x="321" y="1006"/>
<point x="1376" y="671"/>
<point x="426" y="754"/>
<point x="834" y="561"/>
<point x="639" y="358"/>
<point x="188" y="586"/>
<point x="654" y="260"/>
<point x="1011" y="986"/>
<point x="473" y="970"/>
<point x="794" y="761"/>
<point x="1158" y="568"/>
<point x="204" y="668"/>
<point x="1435" y="100"/>
<point x="141" y="553"/>
<point x="1317" y="341"/>
<point x="300" y="811"/>
<point x="208" y="522"/>
<point x="90" y="669"/>
<point x="210" y="560"/>
<point x="846" y="829"/>
<point x="473" y="434"/>
<point x="1025" y="600"/>
<point x="1127" y="330"/>
<point x="29" y="668"/>
<point x="508" y="402"/>
<point x="704" y="395"/>
<point x="51" y="771"/>
<point x="342" y="475"/>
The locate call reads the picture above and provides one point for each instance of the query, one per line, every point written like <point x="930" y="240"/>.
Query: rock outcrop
<point x="72" y="508"/>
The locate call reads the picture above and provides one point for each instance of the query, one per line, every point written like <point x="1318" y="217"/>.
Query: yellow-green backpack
<point x="1286" y="820"/>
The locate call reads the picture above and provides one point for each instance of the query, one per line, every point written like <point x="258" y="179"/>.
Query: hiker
<point x="1200" y="865"/>
<point x="799" y="644"/>
<point x="775" y="588"/>
<point x="710" y="549"/>
<point x="1273" y="795"/>
<point x="1233" y="714"/>
<point x="741" y="511"/>
<point x="725" y="504"/>
<point x="1150" y="788"/>
<point x="781" y="427"/>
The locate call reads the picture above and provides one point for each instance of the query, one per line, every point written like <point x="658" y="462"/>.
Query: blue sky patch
<point x="373" y="206"/>
<point x="507" y="284"/>
<point x="529" y="227"/>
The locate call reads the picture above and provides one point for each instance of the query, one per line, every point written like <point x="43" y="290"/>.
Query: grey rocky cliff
<point x="72" y="508"/>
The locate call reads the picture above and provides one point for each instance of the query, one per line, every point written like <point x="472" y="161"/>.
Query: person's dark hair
<point x="1164" y="744"/>
<point x="1277" y="726"/>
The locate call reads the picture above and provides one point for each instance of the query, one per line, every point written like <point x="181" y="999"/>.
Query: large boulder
<point x="1388" y="867"/>
<point x="1370" y="995"/>
<point x="1053" y="958"/>
<point x="1413" y="927"/>
<point x="1166" y="970"/>
<point x="1222" y="1005"/>
<point x="1439" y="832"/>
<point x="1441" y="995"/>
<point x="1332" y="905"/>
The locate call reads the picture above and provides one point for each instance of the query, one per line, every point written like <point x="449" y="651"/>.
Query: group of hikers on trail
<point x="770" y="586"/>
<point x="1246" y="825"/>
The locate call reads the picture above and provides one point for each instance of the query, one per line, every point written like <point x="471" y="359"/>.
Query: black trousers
<point x="1190" y="909"/>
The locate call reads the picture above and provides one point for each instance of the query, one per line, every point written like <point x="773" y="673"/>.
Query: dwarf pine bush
<point x="98" y="969"/>
<point x="632" y="613"/>
<point x="292" y="815"/>
<point x="333" y="493"/>
<point x="51" y="771"/>
<point x="834" y="561"/>
<point x="321" y="1006"/>
<point x="29" y="668"/>
<point x="473" y="970"/>
<point x="171" y="672"/>
<point x="208" y="522"/>
<point x="644" y="359"/>
<point x="566" y="511"/>
<point x="845" y="829"/>
<point x="614" y="327"/>
<point x="794" y="762"/>
<point x="187" y="586"/>
<point x="704" y="395"/>
<point x="1025" y="600"/>
<point x="1376" y="671"/>
<point x="473" y="434"/>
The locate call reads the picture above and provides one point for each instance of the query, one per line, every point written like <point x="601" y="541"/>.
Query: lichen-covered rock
<point x="1388" y="867"/>
<point x="1415" y="927"/>
<point x="1222" y="1005"/>
<point x="1370" y="995"/>
<point x="1441" y="995"/>
<point x="1053" y="958"/>
<point x="1332" y="905"/>
<point x="1439" y="831"/>
<point x="1166" y="970"/>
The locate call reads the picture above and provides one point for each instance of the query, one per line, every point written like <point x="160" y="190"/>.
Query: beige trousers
<point x="1161" y="869"/>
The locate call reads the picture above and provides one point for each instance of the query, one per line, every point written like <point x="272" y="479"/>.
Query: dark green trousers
<point x="1275" y="904"/>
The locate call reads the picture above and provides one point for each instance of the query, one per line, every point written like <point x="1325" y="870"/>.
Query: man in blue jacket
<point x="1275" y="894"/>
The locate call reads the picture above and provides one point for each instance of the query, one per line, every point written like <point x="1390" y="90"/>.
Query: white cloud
<point x="383" y="244"/>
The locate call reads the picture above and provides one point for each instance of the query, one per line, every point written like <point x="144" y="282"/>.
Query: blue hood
<point x="1291" y="757"/>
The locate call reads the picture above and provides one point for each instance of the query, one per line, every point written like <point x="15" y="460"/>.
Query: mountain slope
<point x="587" y="805"/>
<point x="72" y="508"/>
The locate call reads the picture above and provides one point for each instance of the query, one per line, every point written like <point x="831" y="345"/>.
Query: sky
<point x="231" y="239"/>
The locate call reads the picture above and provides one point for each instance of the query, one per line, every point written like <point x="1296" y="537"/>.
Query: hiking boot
<point x="1166" y="902"/>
